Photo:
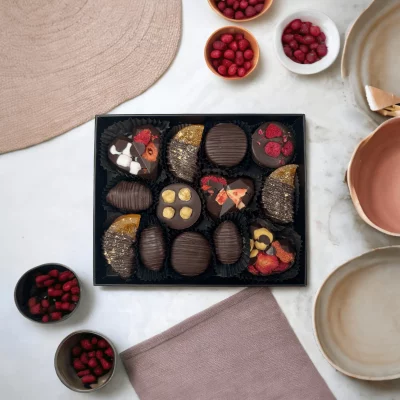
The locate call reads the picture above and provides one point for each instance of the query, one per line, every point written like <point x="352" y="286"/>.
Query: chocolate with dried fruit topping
<point x="226" y="145"/>
<point x="152" y="248"/>
<point x="130" y="196"/>
<point x="190" y="254"/>
<point x="272" y="145"/>
<point x="179" y="206"/>
<point x="228" y="243"/>
<point x="224" y="196"/>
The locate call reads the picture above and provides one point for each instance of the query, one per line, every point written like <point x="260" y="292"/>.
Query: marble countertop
<point x="47" y="201"/>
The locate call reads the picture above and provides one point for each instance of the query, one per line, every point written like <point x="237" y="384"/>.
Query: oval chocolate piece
<point x="191" y="254"/>
<point x="226" y="145"/>
<point x="228" y="243"/>
<point x="130" y="196"/>
<point x="152" y="248"/>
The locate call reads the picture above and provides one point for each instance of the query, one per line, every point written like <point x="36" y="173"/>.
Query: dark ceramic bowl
<point x="25" y="288"/>
<point x="65" y="371"/>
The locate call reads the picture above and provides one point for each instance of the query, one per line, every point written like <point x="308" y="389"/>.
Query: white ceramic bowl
<point x="332" y="41"/>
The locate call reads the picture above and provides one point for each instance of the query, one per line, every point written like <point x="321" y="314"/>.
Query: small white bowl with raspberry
<point x="307" y="42"/>
<point x="240" y="10"/>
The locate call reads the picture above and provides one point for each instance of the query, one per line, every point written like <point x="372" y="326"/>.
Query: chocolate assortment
<point x="208" y="207"/>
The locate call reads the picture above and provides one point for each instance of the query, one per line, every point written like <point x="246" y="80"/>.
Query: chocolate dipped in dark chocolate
<point x="130" y="196"/>
<point x="152" y="248"/>
<point x="226" y="145"/>
<point x="228" y="243"/>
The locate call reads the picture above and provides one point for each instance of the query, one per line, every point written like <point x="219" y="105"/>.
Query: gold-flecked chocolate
<point x="285" y="174"/>
<point x="191" y="134"/>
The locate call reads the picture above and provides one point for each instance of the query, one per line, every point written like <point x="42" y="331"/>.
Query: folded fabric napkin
<point x="242" y="348"/>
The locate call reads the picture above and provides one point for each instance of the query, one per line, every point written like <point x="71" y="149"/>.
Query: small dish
<point x="26" y="288"/>
<point x="232" y="30"/>
<point x="356" y="316"/>
<point x="373" y="177"/>
<point x="267" y="5"/>
<point x="332" y="41"/>
<point x="65" y="370"/>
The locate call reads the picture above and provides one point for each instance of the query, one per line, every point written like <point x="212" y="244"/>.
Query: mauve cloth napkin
<point x="240" y="349"/>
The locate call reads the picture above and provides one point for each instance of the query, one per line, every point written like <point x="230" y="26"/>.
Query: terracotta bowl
<point x="63" y="363"/>
<point x="267" y="5"/>
<point x="373" y="177"/>
<point x="232" y="30"/>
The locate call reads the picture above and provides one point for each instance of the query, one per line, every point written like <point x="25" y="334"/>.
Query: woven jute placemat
<point x="64" y="61"/>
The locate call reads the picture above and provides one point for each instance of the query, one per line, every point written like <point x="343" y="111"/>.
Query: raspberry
<point x="54" y="292"/>
<point x="84" y="358"/>
<point x="92" y="354"/>
<point x="259" y="7"/>
<point x="294" y="45"/>
<point x="78" y="365"/>
<point x="58" y="286"/>
<point x="273" y="149"/>
<point x="65" y="306"/>
<point x="205" y="181"/>
<point x="296" y="24"/>
<point x="71" y="307"/>
<point x="299" y="38"/>
<point x="232" y="70"/>
<point x="315" y="30"/>
<point x="76" y="351"/>
<point x="45" y="318"/>
<point x="273" y="131"/>
<point x="233" y="46"/>
<point x="221" y="6"/>
<point x="32" y="301"/>
<point x="56" y="316"/>
<point x="321" y="38"/>
<point x="244" y="44"/>
<point x="45" y="303"/>
<point x="87" y="379"/>
<point x="311" y="57"/>
<point x="243" y="4"/>
<point x="304" y="30"/>
<point x="288" y="148"/>
<point x="42" y="278"/>
<point x="102" y="344"/>
<point x="93" y="363"/>
<point x="216" y="54"/>
<point x="105" y="364"/>
<point x="287" y="38"/>
<point x="304" y="48"/>
<point x="109" y="352"/>
<point x="98" y="371"/>
<point x="322" y="51"/>
<point x="58" y="305"/>
<point x="226" y="63"/>
<point x="266" y="263"/>
<point x="241" y="72"/>
<point x="67" y="287"/>
<point x="53" y="273"/>
<point x="64" y="276"/>
<point x="75" y="298"/>
<point x="228" y="12"/>
<point x="229" y="54"/>
<point x="218" y="45"/>
<point x="85" y="343"/>
<point x="75" y="290"/>
<point x="94" y="340"/>
<point x="236" y="4"/>
<point x="99" y="354"/>
<point x="239" y="36"/>
<point x="83" y="373"/>
<point x="309" y="39"/>
<point x="226" y="38"/>
<point x="253" y="2"/>
<point x="314" y="46"/>
<point x="66" y="297"/>
<point x="248" y="54"/>
<point x="299" y="55"/>
<point x="247" y="65"/>
<point x="36" y="309"/>
<point x="239" y="15"/>
<point x="250" y="11"/>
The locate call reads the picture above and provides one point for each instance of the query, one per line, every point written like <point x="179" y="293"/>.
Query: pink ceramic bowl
<point x="373" y="177"/>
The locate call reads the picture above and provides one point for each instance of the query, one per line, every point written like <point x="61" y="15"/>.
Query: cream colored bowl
<point x="357" y="316"/>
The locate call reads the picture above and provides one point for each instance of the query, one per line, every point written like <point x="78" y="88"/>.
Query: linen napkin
<point x="242" y="348"/>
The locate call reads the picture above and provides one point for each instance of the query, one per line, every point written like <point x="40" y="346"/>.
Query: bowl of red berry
<point x="85" y="361"/>
<point x="48" y="293"/>
<point x="240" y="10"/>
<point x="307" y="42"/>
<point x="232" y="53"/>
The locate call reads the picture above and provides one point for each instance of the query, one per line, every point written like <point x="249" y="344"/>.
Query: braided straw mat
<point x="64" y="61"/>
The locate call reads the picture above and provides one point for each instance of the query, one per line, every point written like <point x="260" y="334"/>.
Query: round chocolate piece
<point x="272" y="145"/>
<point x="130" y="196"/>
<point x="228" y="243"/>
<point x="152" y="248"/>
<point x="179" y="206"/>
<point x="190" y="254"/>
<point x="226" y="145"/>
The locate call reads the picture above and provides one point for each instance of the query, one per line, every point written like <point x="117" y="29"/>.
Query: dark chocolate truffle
<point x="228" y="243"/>
<point x="224" y="196"/>
<point x="179" y="206"/>
<point x="190" y="254"/>
<point x="138" y="154"/>
<point x="130" y="196"/>
<point x="278" y="194"/>
<point x="226" y="145"/>
<point x="152" y="248"/>
<point x="118" y="244"/>
<point x="272" y="145"/>
<point x="183" y="150"/>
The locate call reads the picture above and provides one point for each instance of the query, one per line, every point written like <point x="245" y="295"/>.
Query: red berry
<point x="232" y="70"/>
<point x="233" y="46"/>
<point x="65" y="306"/>
<point x="109" y="352"/>
<point x="58" y="305"/>
<point x="321" y="38"/>
<point x="322" y="50"/>
<point x="66" y="297"/>
<point x="87" y="379"/>
<point x="247" y="65"/>
<point x="32" y="301"/>
<point x="229" y="54"/>
<point x="288" y="148"/>
<point x="75" y="297"/>
<point x="273" y="149"/>
<point x="216" y="54"/>
<point x="239" y="15"/>
<point x="58" y="286"/>
<point x="36" y="309"/>
<point x="71" y="307"/>
<point x="75" y="290"/>
<point x="102" y="344"/>
<point x="56" y="316"/>
<point x="294" y="45"/>
<point x="93" y="363"/>
<point x="299" y="38"/>
<point x="53" y="273"/>
<point x="259" y="7"/>
<point x="99" y="354"/>
<point x="304" y="30"/>
<point x="228" y="12"/>
<point x="94" y="340"/>
<point x="78" y="365"/>
<point x="244" y="44"/>
<point x="304" y="48"/>
<point x="216" y="63"/>
<point x="221" y="6"/>
<point x="248" y="54"/>
<point x="311" y="57"/>
<point x="226" y="63"/>
<point x="288" y="30"/>
<point x="227" y="38"/>
<point x="288" y="51"/>
<point x="239" y="36"/>
<point x="222" y="70"/>
<point x="98" y="371"/>
<point x="253" y="2"/>
<point x="73" y="282"/>
<point x="85" y="343"/>
<point x="236" y="4"/>
<point x="67" y="287"/>
<point x="54" y="292"/>
<point x="296" y="24"/>
<point x="105" y="364"/>
<point x="143" y="136"/>
<point x="250" y="11"/>
<point x="92" y="354"/>
<point x="273" y="131"/>
<point x="45" y="318"/>
<point x="71" y="275"/>
<point x="45" y="303"/>
<point x="299" y="55"/>
<point x="243" y="4"/>
<point x="76" y="351"/>
<point x="218" y="45"/>
<point x="83" y="373"/>
<point x="64" y="276"/>
<point x="84" y="358"/>
<point x="314" y="46"/>
<point x="42" y="278"/>
<point x="315" y="31"/>
<point x="287" y="38"/>
<point x="308" y="39"/>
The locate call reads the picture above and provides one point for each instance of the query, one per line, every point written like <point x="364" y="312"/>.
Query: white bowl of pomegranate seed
<point x="307" y="42"/>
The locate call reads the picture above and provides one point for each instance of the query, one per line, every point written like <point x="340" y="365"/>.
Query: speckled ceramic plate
<point x="371" y="53"/>
<point x="357" y="316"/>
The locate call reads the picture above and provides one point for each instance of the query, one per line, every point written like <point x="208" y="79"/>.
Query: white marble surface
<point x="47" y="198"/>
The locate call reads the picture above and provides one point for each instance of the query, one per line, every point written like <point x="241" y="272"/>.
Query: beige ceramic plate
<point x="371" y="54"/>
<point x="357" y="316"/>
